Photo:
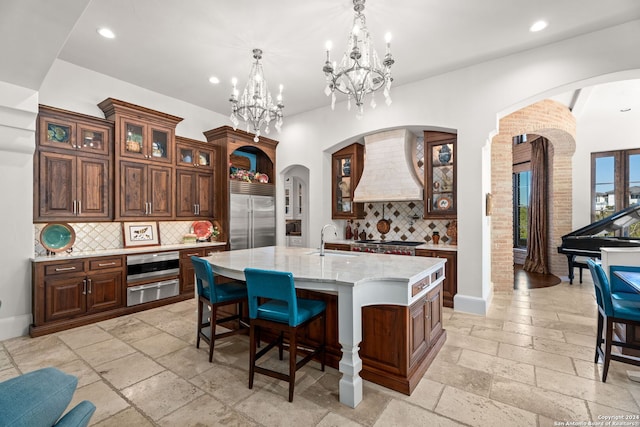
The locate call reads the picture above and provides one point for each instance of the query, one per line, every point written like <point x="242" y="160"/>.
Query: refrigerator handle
<point x="250" y="220"/>
<point x="251" y="231"/>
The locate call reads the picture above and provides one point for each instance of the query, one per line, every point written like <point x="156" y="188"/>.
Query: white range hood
<point x="389" y="168"/>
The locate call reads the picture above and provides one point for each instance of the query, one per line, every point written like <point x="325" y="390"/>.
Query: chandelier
<point x="256" y="106"/>
<point x="360" y="72"/>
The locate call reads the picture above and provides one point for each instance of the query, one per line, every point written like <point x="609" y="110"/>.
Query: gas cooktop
<point x="390" y="242"/>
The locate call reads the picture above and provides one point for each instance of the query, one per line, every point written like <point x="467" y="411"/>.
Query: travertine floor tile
<point x="591" y="390"/>
<point x="205" y="411"/>
<point x="324" y="394"/>
<point x="494" y="365"/>
<point x="128" y="417"/>
<point x="56" y="355"/>
<point x="159" y="345"/>
<point x="84" y="336"/>
<point x="565" y="349"/>
<point x="129" y="370"/>
<point x="188" y="361"/>
<point x="554" y="405"/>
<point x="227" y="384"/>
<point x="536" y="357"/>
<point x="581" y="339"/>
<point x="85" y="373"/>
<point x="107" y="401"/>
<point x="335" y="420"/>
<point x="534" y="331"/>
<point x="161" y="394"/>
<point x="502" y="336"/>
<point x="605" y="413"/>
<point x="5" y="362"/>
<point x="104" y="351"/>
<point x="566" y="326"/>
<point x="8" y="373"/>
<point x="476" y="410"/>
<point x="471" y="380"/>
<point x="426" y="394"/>
<point x="473" y="343"/>
<point x="275" y="410"/>
<point x="129" y="329"/>
<point x="399" y="413"/>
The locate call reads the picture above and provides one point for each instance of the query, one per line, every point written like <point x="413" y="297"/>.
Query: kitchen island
<point x="360" y="281"/>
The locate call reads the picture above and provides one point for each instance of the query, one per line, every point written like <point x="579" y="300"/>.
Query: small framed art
<point x="140" y="234"/>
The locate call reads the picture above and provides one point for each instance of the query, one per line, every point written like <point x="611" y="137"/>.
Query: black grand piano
<point x="612" y="231"/>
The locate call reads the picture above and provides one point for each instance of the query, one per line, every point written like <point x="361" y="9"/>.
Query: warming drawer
<point x="152" y="291"/>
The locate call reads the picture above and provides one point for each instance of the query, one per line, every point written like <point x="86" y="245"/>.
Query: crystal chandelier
<point x="360" y="72"/>
<point x="256" y="106"/>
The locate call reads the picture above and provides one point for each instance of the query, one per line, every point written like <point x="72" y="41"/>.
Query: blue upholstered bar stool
<point x="216" y="295"/>
<point x="619" y="307"/>
<point x="273" y="305"/>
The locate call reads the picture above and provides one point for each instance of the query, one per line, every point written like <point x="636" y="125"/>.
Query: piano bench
<point x="580" y="265"/>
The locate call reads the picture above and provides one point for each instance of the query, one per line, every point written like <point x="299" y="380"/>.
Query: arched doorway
<point x="555" y="122"/>
<point x="296" y="205"/>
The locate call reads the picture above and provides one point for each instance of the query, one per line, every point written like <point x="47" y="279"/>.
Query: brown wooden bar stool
<point x="284" y="314"/>
<point x="215" y="296"/>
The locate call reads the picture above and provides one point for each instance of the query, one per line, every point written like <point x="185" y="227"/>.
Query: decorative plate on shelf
<point x="443" y="203"/>
<point x="57" y="237"/>
<point x="202" y="229"/>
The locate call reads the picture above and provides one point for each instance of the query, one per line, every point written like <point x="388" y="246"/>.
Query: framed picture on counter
<point x="140" y="234"/>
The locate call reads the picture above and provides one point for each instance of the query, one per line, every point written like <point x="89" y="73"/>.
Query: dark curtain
<point x="536" y="261"/>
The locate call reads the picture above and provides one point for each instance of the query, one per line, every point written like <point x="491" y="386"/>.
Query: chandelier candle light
<point x="256" y="106"/>
<point x="360" y="72"/>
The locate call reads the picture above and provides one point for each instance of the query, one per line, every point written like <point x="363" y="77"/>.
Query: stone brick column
<point x="555" y="122"/>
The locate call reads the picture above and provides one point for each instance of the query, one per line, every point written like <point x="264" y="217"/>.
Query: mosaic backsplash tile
<point x="96" y="236"/>
<point x="406" y="222"/>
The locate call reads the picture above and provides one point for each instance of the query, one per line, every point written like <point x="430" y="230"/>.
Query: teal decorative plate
<point x="57" y="237"/>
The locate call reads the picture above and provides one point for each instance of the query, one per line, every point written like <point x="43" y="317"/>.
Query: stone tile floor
<point x="529" y="362"/>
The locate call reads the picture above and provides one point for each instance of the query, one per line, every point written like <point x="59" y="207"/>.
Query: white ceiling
<point x="173" y="47"/>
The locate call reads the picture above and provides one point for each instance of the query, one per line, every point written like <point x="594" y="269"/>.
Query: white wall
<point x="18" y="110"/>
<point x="468" y="100"/>
<point x="599" y="130"/>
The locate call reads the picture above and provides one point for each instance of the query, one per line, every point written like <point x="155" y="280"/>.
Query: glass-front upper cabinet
<point x="346" y="171"/>
<point x="146" y="141"/>
<point x="440" y="175"/>
<point x="194" y="153"/>
<point x="72" y="131"/>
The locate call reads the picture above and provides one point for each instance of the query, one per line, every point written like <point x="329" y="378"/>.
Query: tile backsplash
<point x="95" y="236"/>
<point x="406" y="222"/>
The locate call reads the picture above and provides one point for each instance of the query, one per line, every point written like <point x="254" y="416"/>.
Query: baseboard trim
<point x="15" y="326"/>
<point x="469" y="304"/>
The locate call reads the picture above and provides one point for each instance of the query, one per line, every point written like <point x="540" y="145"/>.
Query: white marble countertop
<point x="336" y="266"/>
<point x="125" y="251"/>
<point x="428" y="246"/>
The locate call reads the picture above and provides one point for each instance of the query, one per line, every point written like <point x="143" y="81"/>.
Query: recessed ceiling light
<point x="214" y="80"/>
<point x="538" y="26"/>
<point x="106" y="33"/>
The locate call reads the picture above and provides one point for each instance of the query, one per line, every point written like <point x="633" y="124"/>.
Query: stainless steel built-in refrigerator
<point x="252" y="220"/>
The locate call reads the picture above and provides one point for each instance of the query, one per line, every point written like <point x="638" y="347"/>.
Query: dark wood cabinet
<point x="65" y="290"/>
<point x="398" y="343"/>
<point x="440" y="175"/>
<point x="450" y="284"/>
<point x="72" y="167"/>
<point x="228" y="144"/>
<point x="187" y="273"/>
<point x="337" y="246"/>
<point x="145" y="146"/>
<point x="145" y="190"/>
<point x="194" y="194"/>
<point x="346" y="169"/>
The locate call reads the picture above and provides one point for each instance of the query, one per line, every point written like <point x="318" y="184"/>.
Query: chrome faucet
<point x="335" y="231"/>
